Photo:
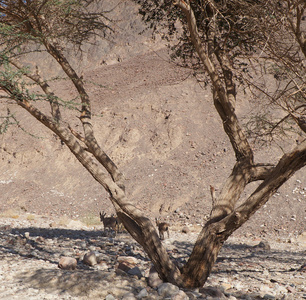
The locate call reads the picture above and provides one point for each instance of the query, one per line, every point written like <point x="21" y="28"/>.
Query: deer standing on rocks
<point x="109" y="222"/>
<point x="162" y="228"/>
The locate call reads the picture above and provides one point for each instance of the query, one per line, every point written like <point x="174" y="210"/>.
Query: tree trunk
<point x="203" y="257"/>
<point x="215" y="232"/>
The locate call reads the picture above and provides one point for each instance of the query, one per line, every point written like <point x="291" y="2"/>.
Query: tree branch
<point x="223" y="103"/>
<point x="36" y="77"/>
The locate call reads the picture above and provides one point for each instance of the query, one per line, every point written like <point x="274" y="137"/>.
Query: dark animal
<point x="162" y="228"/>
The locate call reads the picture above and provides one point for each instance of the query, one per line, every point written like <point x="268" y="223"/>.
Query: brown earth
<point x="160" y="127"/>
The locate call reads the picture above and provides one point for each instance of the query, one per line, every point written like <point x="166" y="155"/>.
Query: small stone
<point x="303" y="268"/>
<point x="268" y="296"/>
<point x="135" y="271"/>
<point x="124" y="267"/>
<point x="75" y="224"/>
<point x="279" y="289"/>
<point x="121" y="272"/>
<point x="180" y="296"/>
<point x="67" y="263"/>
<point x="110" y="297"/>
<point x="102" y="266"/>
<point x="212" y="291"/>
<point x="265" y="288"/>
<point x="226" y="286"/>
<point x="185" y="230"/>
<point x="301" y="239"/>
<point x="129" y="296"/>
<point x="27" y="234"/>
<point x="263" y="245"/>
<point x="153" y="279"/>
<point x="142" y="294"/>
<point x="291" y="289"/>
<point x="167" y="290"/>
<point x="127" y="259"/>
<point x="193" y="295"/>
<point x="90" y="259"/>
<point x="40" y="239"/>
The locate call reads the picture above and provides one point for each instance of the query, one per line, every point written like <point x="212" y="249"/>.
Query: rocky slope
<point x="159" y="125"/>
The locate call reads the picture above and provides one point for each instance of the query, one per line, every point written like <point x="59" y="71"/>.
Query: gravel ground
<point x="31" y="247"/>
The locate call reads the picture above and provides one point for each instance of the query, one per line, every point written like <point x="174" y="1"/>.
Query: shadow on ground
<point x="48" y="244"/>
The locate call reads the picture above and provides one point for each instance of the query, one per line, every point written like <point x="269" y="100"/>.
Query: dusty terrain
<point x="31" y="247"/>
<point x="159" y="125"/>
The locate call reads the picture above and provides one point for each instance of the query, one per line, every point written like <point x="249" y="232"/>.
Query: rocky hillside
<point x="157" y="123"/>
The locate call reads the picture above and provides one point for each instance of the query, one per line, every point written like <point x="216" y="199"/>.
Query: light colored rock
<point x="301" y="239"/>
<point x="167" y="290"/>
<point x="263" y="245"/>
<point x="185" y="229"/>
<point x="142" y="294"/>
<point x="67" y="263"/>
<point x="90" y="259"/>
<point x="153" y="279"/>
<point x="268" y="296"/>
<point x="129" y="296"/>
<point x="127" y="259"/>
<point x="213" y="292"/>
<point x="181" y="295"/>
<point x="226" y="286"/>
<point x="264" y="288"/>
<point x="75" y="224"/>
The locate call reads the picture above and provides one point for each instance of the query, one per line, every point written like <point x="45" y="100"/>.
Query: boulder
<point x="67" y="263"/>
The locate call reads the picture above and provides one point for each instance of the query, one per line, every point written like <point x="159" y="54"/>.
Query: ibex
<point x="109" y="222"/>
<point x="162" y="228"/>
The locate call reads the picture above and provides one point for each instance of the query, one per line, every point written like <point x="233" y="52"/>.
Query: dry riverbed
<point x="31" y="247"/>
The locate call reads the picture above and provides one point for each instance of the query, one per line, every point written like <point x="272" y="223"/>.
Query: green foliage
<point x="249" y="35"/>
<point x="226" y="24"/>
<point x="48" y="27"/>
<point x="6" y="121"/>
<point x="34" y="21"/>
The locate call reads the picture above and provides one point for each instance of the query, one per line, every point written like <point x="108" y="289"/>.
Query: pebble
<point x="167" y="290"/>
<point x="67" y="263"/>
<point x="90" y="258"/>
<point x="93" y="266"/>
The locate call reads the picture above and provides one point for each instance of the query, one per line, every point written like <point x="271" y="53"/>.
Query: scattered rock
<point x="167" y="290"/>
<point x="132" y="261"/>
<point x="226" y="286"/>
<point x="185" y="230"/>
<point x="135" y="272"/>
<point x="40" y="239"/>
<point x="27" y="267"/>
<point x="302" y="268"/>
<point x="142" y="294"/>
<point x="90" y="259"/>
<point x="180" y="296"/>
<point x="153" y="279"/>
<point x="263" y="245"/>
<point x="129" y="296"/>
<point x="213" y="292"/>
<point x="67" y="263"/>
<point x="301" y="239"/>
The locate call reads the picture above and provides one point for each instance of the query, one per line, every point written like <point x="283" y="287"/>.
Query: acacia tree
<point x="224" y="39"/>
<point x="219" y="38"/>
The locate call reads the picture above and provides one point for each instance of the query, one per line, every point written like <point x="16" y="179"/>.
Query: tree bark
<point x="214" y="233"/>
